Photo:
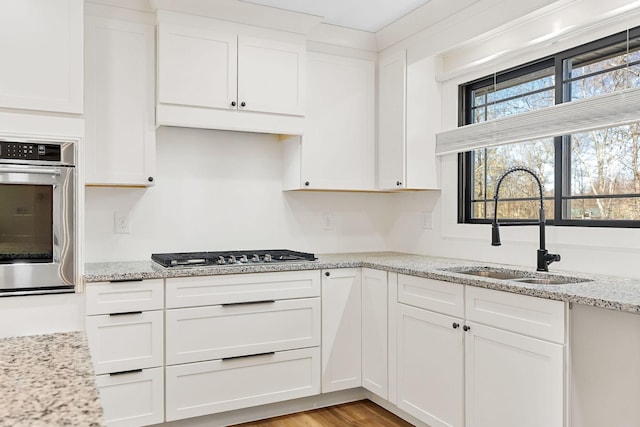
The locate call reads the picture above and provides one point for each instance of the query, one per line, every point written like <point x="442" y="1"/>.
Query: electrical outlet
<point x="427" y="220"/>
<point x="327" y="221"/>
<point x="122" y="223"/>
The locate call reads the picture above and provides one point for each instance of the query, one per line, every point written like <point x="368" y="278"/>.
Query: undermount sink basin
<point x="492" y="274"/>
<point x="517" y="275"/>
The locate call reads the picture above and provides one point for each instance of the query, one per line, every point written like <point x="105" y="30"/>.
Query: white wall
<point x="219" y="190"/>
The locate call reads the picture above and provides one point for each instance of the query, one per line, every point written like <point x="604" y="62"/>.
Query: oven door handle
<point x="40" y="171"/>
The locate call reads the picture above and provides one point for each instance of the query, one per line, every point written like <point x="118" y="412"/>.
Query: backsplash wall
<point x="219" y="190"/>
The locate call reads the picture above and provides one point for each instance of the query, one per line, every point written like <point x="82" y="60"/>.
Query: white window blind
<point x="609" y="110"/>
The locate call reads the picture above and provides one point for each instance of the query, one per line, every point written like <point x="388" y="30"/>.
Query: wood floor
<point x="363" y="413"/>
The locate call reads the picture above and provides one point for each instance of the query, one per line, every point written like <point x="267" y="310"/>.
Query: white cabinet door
<point x="41" y="51"/>
<point x="195" y="389"/>
<point x="341" y="329"/>
<point x="409" y="117"/>
<point x="392" y="121"/>
<point x="430" y="367"/>
<point x="207" y="333"/>
<point x="337" y="151"/>
<point x="132" y="399"/>
<point x="120" y="100"/>
<point x="271" y="76"/>
<point x="374" y="332"/>
<point x="126" y="341"/>
<point x="512" y="380"/>
<point x="197" y="66"/>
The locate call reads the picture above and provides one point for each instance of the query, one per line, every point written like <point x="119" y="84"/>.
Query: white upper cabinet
<point x="337" y="151"/>
<point x="197" y="66"/>
<point x="219" y="75"/>
<point x="271" y="76"/>
<point x="41" y="51"/>
<point x="120" y="93"/>
<point x="408" y="119"/>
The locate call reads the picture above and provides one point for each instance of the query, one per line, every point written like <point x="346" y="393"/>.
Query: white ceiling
<point x="365" y="15"/>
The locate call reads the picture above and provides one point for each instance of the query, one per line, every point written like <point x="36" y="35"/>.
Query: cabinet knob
<point x="455" y="325"/>
<point x="233" y="103"/>
<point x="326" y="273"/>
<point x="466" y="328"/>
<point x="150" y="179"/>
<point x="306" y="183"/>
<point x="398" y="183"/>
<point x="243" y="104"/>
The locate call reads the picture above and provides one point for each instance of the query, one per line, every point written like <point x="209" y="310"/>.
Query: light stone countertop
<point x="48" y="380"/>
<point x="615" y="293"/>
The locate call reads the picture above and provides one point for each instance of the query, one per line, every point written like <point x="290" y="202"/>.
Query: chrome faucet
<point x="544" y="257"/>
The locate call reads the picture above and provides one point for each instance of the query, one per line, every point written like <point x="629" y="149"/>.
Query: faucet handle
<point x="545" y="258"/>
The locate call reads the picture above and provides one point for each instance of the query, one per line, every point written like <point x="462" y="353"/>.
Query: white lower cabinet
<point x="341" y="329"/>
<point x="512" y="379"/>
<point x="210" y="387"/>
<point x="125" y="332"/>
<point x="241" y="340"/>
<point x="214" y="332"/>
<point x="125" y="341"/>
<point x="500" y="364"/>
<point x="375" y="360"/>
<point x="134" y="398"/>
<point x="430" y="366"/>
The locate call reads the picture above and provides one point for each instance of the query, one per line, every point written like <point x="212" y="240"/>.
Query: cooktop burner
<point x="198" y="259"/>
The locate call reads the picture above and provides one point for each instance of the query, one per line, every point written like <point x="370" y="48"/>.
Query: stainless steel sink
<point x="492" y="274"/>
<point x="516" y="275"/>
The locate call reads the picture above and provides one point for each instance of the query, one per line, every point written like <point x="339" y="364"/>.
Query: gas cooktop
<point x="230" y="258"/>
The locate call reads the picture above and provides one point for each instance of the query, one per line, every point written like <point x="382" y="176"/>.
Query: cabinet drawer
<point x="119" y="297"/>
<point x="442" y="297"/>
<point x="133" y="398"/>
<point x="212" y="290"/>
<point x="125" y="341"/>
<point x="536" y="317"/>
<point x="222" y="385"/>
<point x="207" y="333"/>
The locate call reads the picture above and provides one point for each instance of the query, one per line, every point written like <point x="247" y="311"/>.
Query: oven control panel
<point x="29" y="151"/>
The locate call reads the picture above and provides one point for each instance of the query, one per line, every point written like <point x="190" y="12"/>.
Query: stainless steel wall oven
<point x="37" y="192"/>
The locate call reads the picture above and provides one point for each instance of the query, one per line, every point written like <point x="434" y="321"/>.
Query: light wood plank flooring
<point x="363" y="413"/>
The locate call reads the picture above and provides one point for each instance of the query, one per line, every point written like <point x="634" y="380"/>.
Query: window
<point x="590" y="178"/>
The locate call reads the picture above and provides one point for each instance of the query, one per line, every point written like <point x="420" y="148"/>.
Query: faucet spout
<point x="543" y="257"/>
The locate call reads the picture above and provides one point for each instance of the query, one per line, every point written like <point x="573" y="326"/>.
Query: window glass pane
<point x="515" y="105"/>
<point x="537" y="155"/>
<point x="529" y="92"/>
<point x="605" y="209"/>
<point x="606" y="161"/>
<point x="606" y="70"/>
<point x="513" y="209"/>
<point x="607" y="82"/>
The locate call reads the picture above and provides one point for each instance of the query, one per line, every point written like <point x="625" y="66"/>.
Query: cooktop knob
<point x="243" y="258"/>
<point x="267" y="258"/>
<point x="232" y="259"/>
<point x="221" y="260"/>
<point x="255" y="258"/>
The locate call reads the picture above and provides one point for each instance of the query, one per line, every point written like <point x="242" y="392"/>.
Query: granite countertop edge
<point x="614" y="293"/>
<point x="48" y="380"/>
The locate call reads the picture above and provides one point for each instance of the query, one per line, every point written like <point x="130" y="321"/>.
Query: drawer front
<point x="207" y="333"/>
<point x="132" y="399"/>
<point x="536" y="317"/>
<point x="213" y="290"/>
<point x="442" y="297"/>
<point x="125" y="341"/>
<point x="222" y="385"/>
<point x="119" y="297"/>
